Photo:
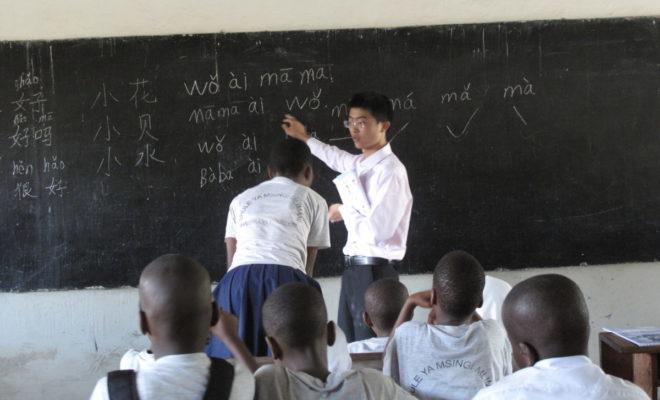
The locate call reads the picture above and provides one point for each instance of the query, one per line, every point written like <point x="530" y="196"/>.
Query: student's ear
<point x="144" y="323"/>
<point x="386" y="125"/>
<point x="434" y="297"/>
<point x="367" y="319"/>
<point x="527" y="355"/>
<point x="214" y="313"/>
<point x="275" y="348"/>
<point x="271" y="173"/>
<point x="309" y="173"/>
<point x="332" y="333"/>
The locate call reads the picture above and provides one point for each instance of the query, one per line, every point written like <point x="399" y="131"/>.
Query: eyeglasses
<point x="358" y="124"/>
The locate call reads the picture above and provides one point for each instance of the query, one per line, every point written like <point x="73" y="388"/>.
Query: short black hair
<point x="377" y="104"/>
<point x="459" y="281"/>
<point x="288" y="157"/>
<point x="295" y="314"/>
<point x="383" y="301"/>
<point x="550" y="312"/>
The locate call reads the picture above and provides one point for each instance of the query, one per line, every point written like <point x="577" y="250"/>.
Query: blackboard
<point x="527" y="144"/>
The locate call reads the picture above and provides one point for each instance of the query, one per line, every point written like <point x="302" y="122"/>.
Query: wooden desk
<point x="626" y="360"/>
<point x="367" y="360"/>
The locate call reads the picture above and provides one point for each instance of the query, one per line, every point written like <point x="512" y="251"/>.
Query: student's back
<point x="458" y="354"/>
<point x="447" y="362"/>
<point x="274" y="223"/>
<point x="275" y="382"/>
<point x="177" y="311"/>
<point x="298" y="333"/>
<point x="547" y="321"/>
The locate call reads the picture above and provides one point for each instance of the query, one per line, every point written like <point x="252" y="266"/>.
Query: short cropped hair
<point x="288" y="157"/>
<point x="459" y="281"/>
<point x="377" y="104"/>
<point x="295" y="314"/>
<point x="383" y="301"/>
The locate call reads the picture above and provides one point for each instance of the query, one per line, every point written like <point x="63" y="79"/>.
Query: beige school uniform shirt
<point x="275" y="382"/>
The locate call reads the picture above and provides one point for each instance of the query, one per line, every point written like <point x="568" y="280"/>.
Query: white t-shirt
<point x="495" y="291"/>
<point x="274" y="223"/>
<point x="447" y="362"/>
<point x="136" y="360"/>
<point x="371" y="345"/>
<point x="180" y="377"/>
<point x="339" y="360"/>
<point x="565" y="378"/>
<point x="275" y="382"/>
<point x="383" y="231"/>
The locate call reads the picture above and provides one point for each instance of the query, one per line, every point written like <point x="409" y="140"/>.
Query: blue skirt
<point x="242" y="292"/>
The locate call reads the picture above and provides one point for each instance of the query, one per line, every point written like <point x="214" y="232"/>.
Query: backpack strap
<point x="221" y="378"/>
<point x="122" y="385"/>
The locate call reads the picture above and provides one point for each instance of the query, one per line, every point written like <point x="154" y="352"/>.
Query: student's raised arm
<point x="334" y="157"/>
<point x="226" y="329"/>
<point x="419" y="299"/>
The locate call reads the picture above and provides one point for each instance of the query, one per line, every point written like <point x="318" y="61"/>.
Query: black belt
<point x="354" y="261"/>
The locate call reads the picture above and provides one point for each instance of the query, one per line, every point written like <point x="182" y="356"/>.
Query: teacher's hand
<point x="333" y="213"/>
<point x="294" y="128"/>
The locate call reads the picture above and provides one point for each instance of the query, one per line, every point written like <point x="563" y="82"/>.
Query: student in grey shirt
<point x="458" y="353"/>
<point x="298" y="333"/>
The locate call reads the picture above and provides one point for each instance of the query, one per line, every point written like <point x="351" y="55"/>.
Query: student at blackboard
<point x="295" y="318"/>
<point x="457" y="353"/>
<point x="272" y="236"/>
<point x="383" y="302"/>
<point x="176" y="312"/>
<point x="547" y="320"/>
<point x="377" y="233"/>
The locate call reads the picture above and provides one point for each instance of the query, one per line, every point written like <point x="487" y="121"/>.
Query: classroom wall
<point x="57" y="344"/>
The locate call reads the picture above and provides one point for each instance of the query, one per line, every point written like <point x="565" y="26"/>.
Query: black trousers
<point x="354" y="282"/>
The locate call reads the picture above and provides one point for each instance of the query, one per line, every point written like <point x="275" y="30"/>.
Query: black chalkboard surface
<point x="527" y="144"/>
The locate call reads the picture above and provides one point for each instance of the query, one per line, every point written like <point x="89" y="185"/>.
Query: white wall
<point x="56" y="344"/>
<point x="40" y="19"/>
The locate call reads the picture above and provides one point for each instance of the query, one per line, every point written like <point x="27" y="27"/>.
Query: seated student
<point x="273" y="232"/>
<point x="458" y="353"/>
<point x="495" y="291"/>
<point x="295" y="320"/>
<point x="547" y="320"/>
<point x="176" y="311"/>
<point x="383" y="301"/>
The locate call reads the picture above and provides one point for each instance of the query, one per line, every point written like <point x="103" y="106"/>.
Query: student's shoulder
<point x="314" y="196"/>
<point x="411" y="329"/>
<point x="381" y="386"/>
<point x="509" y="385"/>
<point x="100" y="390"/>
<point x="270" y="372"/>
<point x="492" y="328"/>
<point x="243" y="385"/>
<point x="617" y="388"/>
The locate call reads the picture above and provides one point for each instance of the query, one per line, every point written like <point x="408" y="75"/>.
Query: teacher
<point x="377" y="231"/>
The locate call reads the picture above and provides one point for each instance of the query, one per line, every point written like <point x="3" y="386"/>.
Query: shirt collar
<point x="563" y="362"/>
<point x="183" y="358"/>
<point x="281" y="179"/>
<point x="366" y="164"/>
<point x="332" y="382"/>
